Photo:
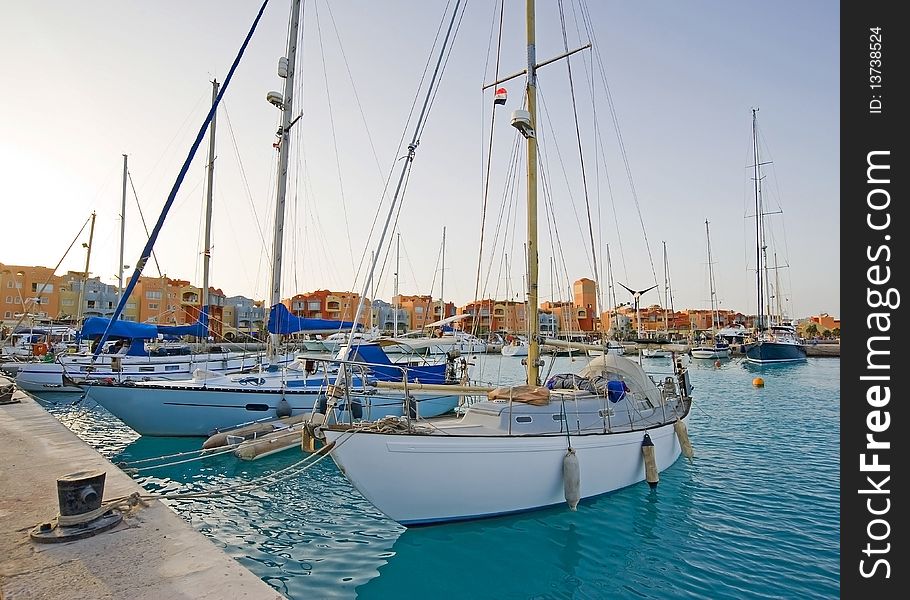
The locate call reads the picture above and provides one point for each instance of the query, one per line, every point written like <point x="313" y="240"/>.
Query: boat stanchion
<point x="682" y="433"/>
<point x="82" y="513"/>
<point x="647" y="452"/>
<point x="571" y="475"/>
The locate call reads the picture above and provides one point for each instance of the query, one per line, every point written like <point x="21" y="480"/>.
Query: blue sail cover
<point x="199" y="329"/>
<point x="283" y="322"/>
<point x="96" y="326"/>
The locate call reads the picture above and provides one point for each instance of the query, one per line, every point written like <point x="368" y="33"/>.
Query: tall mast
<point x="207" y="249"/>
<point x="397" y="299"/>
<point x="611" y="294"/>
<point x="442" y="278"/>
<point x="88" y="256"/>
<point x="121" y="267"/>
<point x="284" y="147"/>
<point x="711" y="281"/>
<point x="533" y="319"/>
<point x="758" y="223"/>
<point x="780" y="312"/>
<point x="666" y="289"/>
<point x="372" y="297"/>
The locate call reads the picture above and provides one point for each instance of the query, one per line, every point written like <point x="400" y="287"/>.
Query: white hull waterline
<point x="710" y="352"/>
<point x="72" y="372"/>
<point x="208" y="404"/>
<point x="428" y="479"/>
<point x="505" y="456"/>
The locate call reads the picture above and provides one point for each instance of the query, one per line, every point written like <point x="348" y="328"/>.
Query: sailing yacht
<point x="529" y="446"/>
<point x="209" y="402"/>
<point x="717" y="348"/>
<point x="138" y="355"/>
<point x="775" y="342"/>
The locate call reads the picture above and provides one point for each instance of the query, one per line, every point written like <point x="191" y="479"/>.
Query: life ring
<point x="39" y="349"/>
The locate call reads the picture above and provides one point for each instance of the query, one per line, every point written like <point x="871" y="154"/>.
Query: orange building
<point x="825" y="322"/>
<point x="325" y="304"/>
<point x="28" y="292"/>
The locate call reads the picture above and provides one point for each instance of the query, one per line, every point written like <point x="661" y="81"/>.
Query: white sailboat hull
<point x="198" y="408"/>
<point x="514" y="350"/>
<point x="416" y="479"/>
<point x="710" y="352"/>
<point x="64" y="376"/>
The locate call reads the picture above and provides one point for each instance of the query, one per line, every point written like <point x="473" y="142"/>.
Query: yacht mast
<point x="396" y="299"/>
<point x="533" y="318"/>
<point x="666" y="290"/>
<point x="611" y="295"/>
<point x="713" y="293"/>
<point x="207" y="249"/>
<point x="88" y="256"/>
<point x="121" y="266"/>
<point x="780" y="312"/>
<point x="756" y="176"/>
<point x="442" y="278"/>
<point x="286" y="68"/>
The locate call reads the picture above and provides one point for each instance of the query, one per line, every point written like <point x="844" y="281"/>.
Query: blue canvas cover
<point x="96" y="326"/>
<point x="283" y="322"/>
<point x="375" y="355"/>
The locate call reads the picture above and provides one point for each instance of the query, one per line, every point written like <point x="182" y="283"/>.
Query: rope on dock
<point x="123" y="504"/>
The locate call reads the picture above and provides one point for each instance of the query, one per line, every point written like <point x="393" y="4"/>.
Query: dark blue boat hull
<point x="775" y="352"/>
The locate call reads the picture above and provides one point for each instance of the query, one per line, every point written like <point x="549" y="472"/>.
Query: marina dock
<point x="152" y="553"/>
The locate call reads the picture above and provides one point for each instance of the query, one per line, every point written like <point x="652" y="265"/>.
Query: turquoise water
<point x="754" y="515"/>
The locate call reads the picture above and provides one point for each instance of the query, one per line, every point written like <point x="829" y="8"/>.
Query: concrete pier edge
<point x="151" y="554"/>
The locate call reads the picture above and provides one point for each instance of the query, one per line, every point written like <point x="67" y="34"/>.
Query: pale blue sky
<point x="86" y="82"/>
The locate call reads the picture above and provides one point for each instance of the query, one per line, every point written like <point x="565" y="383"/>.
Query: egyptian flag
<point x="500" y="96"/>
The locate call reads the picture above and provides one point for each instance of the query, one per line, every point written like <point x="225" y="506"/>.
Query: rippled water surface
<point x="754" y="515"/>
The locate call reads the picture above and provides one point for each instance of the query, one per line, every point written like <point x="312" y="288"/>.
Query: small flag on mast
<point x="500" y="97"/>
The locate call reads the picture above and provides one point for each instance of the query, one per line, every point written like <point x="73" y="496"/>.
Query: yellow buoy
<point x="758" y="382"/>
<point x="683" y="434"/>
<point x="647" y="452"/>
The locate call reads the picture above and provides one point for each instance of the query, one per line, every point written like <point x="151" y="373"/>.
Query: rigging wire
<point x="47" y="282"/>
<point x="486" y="181"/>
<point x="584" y="178"/>
<point x="328" y="87"/>
<point x="146" y="251"/>
<point x="129" y="176"/>
<point x="589" y="27"/>
<point x="417" y="95"/>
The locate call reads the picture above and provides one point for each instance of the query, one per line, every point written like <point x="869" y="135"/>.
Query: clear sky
<point x="85" y="82"/>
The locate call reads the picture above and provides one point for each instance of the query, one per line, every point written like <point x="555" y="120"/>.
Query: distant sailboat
<point x="776" y="342"/>
<point x="717" y="348"/>
<point x="134" y="357"/>
<point x="210" y="402"/>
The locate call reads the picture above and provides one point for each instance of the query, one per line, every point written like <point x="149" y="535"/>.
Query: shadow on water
<point x="551" y="553"/>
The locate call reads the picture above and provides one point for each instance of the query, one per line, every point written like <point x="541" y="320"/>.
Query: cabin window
<point x="257" y="407"/>
<point x="146" y="369"/>
<point x="523" y="419"/>
<point x="559" y="417"/>
<point x="606" y="413"/>
<point x="171" y="367"/>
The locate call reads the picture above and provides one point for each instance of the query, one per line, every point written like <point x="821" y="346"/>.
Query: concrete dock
<point x="152" y="553"/>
